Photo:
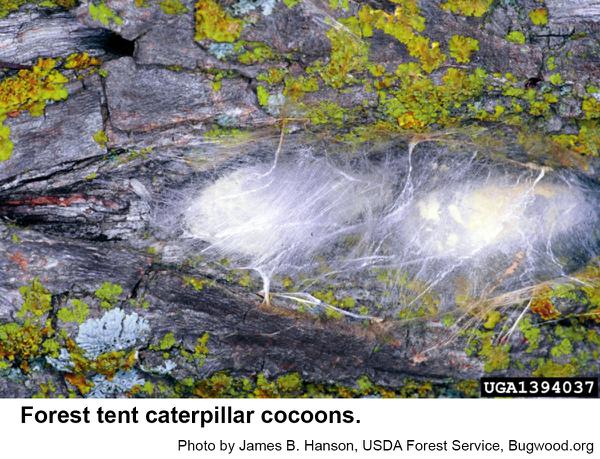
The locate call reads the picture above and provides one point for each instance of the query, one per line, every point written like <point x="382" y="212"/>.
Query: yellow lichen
<point x="429" y="53"/>
<point x="8" y="6"/>
<point x="585" y="142"/>
<point x="516" y="37"/>
<point x="100" y="138"/>
<point x="81" y="61"/>
<point x="348" y="57"/>
<point x="173" y="7"/>
<point x="255" y="52"/>
<point x="273" y="75"/>
<point x="29" y="90"/>
<point x="214" y="23"/>
<point x="103" y="14"/>
<point x="539" y="16"/>
<point x="419" y="103"/>
<point x="21" y="342"/>
<point x="461" y="48"/>
<point x="591" y="108"/>
<point x="405" y="24"/>
<point x="556" y="79"/>
<point x="475" y="8"/>
<point x="262" y="95"/>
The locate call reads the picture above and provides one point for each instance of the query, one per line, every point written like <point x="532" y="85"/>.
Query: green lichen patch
<point x="329" y="297"/>
<point x="556" y="335"/>
<point x="83" y="64"/>
<point x="107" y="365"/>
<point x="550" y="369"/>
<point x="46" y="390"/>
<point x="196" y="283"/>
<point x="10" y="6"/>
<point x="296" y="87"/>
<point x="214" y="23"/>
<point x="172" y="7"/>
<point x="586" y="142"/>
<point x="564" y="347"/>
<point x="201" y="349"/>
<point x="516" y="36"/>
<point x="495" y="357"/>
<point x="348" y="58"/>
<point x="37" y="301"/>
<point x="167" y="342"/>
<point x="556" y="79"/>
<point x="76" y="312"/>
<point x="339" y="4"/>
<point x="492" y="319"/>
<point x="405" y="25"/>
<point x="328" y="113"/>
<point x="227" y="135"/>
<point x="461" y="48"/>
<point x="419" y="103"/>
<point x="531" y="333"/>
<point x="32" y="335"/>
<point x="67" y="4"/>
<point x="262" y="94"/>
<point x="539" y="16"/>
<point x="591" y="108"/>
<point x="109" y="294"/>
<point x="410" y="290"/>
<point x="22" y="343"/>
<point x="28" y="91"/>
<point x="100" y="138"/>
<point x="79" y="61"/>
<point x="292" y="385"/>
<point x="273" y="75"/>
<point x="132" y="155"/>
<point x="428" y="52"/>
<point x="475" y="8"/>
<point x="254" y="52"/>
<point x="101" y="13"/>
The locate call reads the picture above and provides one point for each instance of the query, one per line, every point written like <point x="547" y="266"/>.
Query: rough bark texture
<point x="77" y="213"/>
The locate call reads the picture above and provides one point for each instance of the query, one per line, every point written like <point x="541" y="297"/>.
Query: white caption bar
<point x="170" y="429"/>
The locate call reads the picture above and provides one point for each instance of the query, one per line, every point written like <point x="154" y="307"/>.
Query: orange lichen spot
<point x="19" y="259"/>
<point x="80" y="61"/>
<point x="542" y="304"/>
<point x="80" y="382"/>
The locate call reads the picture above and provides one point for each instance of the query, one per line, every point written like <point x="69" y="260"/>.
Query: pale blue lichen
<point x="62" y="362"/>
<point x="221" y="50"/>
<point x="121" y="383"/>
<point x="246" y="6"/>
<point x="275" y="103"/>
<point x="229" y="119"/>
<point x="13" y="374"/>
<point x="164" y="369"/>
<point x="114" y="331"/>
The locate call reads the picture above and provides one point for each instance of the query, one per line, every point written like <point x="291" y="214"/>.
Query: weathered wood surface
<point x="75" y="233"/>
